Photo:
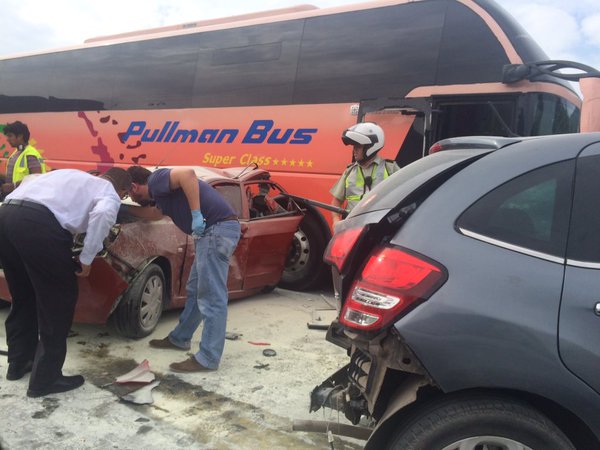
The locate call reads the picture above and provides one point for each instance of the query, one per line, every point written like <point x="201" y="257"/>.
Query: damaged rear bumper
<point x="343" y="391"/>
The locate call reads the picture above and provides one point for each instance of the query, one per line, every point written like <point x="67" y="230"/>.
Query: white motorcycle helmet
<point x="368" y="134"/>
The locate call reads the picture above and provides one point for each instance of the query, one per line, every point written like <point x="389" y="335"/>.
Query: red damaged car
<point x="144" y="266"/>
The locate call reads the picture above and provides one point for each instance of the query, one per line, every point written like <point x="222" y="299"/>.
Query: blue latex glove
<point x="198" y="223"/>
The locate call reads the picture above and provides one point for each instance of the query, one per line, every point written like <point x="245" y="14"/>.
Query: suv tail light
<point x="341" y="245"/>
<point x="391" y="282"/>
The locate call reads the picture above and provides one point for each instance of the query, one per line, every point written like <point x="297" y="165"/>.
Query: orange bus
<point x="277" y="89"/>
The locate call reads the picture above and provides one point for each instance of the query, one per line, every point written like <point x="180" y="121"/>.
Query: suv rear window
<point x="584" y="240"/>
<point x="530" y="211"/>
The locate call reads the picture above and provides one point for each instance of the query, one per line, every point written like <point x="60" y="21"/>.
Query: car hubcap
<point x="486" y="443"/>
<point x="151" y="304"/>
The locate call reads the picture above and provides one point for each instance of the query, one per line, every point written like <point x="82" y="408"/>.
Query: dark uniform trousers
<point x="35" y="252"/>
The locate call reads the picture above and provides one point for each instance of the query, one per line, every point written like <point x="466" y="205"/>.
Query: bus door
<point x="405" y="123"/>
<point x="477" y="115"/>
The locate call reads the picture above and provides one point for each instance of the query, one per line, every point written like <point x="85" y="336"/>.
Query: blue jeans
<point x="207" y="293"/>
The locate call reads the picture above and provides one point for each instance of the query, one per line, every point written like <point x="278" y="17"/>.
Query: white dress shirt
<point x="82" y="203"/>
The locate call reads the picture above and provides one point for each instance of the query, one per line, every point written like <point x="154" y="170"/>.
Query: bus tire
<point x="304" y="267"/>
<point x="141" y="306"/>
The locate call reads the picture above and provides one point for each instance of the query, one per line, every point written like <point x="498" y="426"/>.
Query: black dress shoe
<point x="62" y="384"/>
<point x="17" y="370"/>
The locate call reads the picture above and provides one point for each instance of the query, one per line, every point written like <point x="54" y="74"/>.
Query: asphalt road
<point x="251" y="402"/>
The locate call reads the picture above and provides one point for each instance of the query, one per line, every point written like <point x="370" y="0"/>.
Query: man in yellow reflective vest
<point x="368" y="169"/>
<point x="24" y="160"/>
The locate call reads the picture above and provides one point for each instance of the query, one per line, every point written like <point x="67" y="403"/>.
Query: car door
<point x="579" y="326"/>
<point x="231" y="191"/>
<point x="266" y="235"/>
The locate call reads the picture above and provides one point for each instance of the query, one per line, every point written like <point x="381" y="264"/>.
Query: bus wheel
<point x="142" y="304"/>
<point x="304" y="268"/>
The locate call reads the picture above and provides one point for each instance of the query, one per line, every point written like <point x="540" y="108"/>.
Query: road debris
<point x="142" y="396"/>
<point x="233" y="336"/>
<point x="140" y="374"/>
<point x="321" y="318"/>
<point x="329" y="427"/>
<point x="269" y="352"/>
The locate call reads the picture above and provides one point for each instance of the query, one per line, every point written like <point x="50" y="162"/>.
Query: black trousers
<point x="35" y="252"/>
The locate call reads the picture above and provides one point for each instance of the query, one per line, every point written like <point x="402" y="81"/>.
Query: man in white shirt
<point x="37" y="224"/>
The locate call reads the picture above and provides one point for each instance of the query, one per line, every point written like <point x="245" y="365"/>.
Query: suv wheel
<point x="476" y="422"/>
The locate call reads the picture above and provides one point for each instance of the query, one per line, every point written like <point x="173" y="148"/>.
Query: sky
<point x="565" y="29"/>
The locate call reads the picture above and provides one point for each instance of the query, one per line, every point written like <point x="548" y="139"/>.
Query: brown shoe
<point x="166" y="344"/>
<point x="189" y="365"/>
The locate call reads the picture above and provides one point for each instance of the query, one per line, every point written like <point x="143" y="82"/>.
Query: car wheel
<point x="142" y="304"/>
<point x="478" y="423"/>
<point x="304" y="268"/>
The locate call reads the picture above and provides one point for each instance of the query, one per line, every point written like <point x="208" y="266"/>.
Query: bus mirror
<point x="511" y="73"/>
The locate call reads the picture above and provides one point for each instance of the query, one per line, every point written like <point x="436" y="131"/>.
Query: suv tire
<point x="476" y="421"/>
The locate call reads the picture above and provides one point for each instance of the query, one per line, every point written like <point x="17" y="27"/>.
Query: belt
<point x="229" y="218"/>
<point x="27" y="204"/>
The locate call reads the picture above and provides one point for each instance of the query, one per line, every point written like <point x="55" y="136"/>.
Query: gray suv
<point x="468" y="288"/>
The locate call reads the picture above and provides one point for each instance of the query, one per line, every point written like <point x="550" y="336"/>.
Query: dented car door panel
<point x="267" y="243"/>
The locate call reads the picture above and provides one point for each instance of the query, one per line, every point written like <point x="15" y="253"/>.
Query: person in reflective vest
<point x="367" y="170"/>
<point x="24" y="160"/>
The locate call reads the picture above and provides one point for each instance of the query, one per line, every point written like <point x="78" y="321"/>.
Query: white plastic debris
<point x="143" y="396"/>
<point x="141" y="374"/>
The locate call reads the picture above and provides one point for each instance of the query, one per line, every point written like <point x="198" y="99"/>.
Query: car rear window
<point x="408" y="179"/>
<point x="232" y="194"/>
<point x="530" y="211"/>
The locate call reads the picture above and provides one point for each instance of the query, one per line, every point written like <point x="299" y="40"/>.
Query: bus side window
<point x="483" y="117"/>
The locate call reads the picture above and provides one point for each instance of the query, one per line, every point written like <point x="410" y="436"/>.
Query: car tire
<point x="140" y="308"/>
<point x="475" y="422"/>
<point x="304" y="267"/>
